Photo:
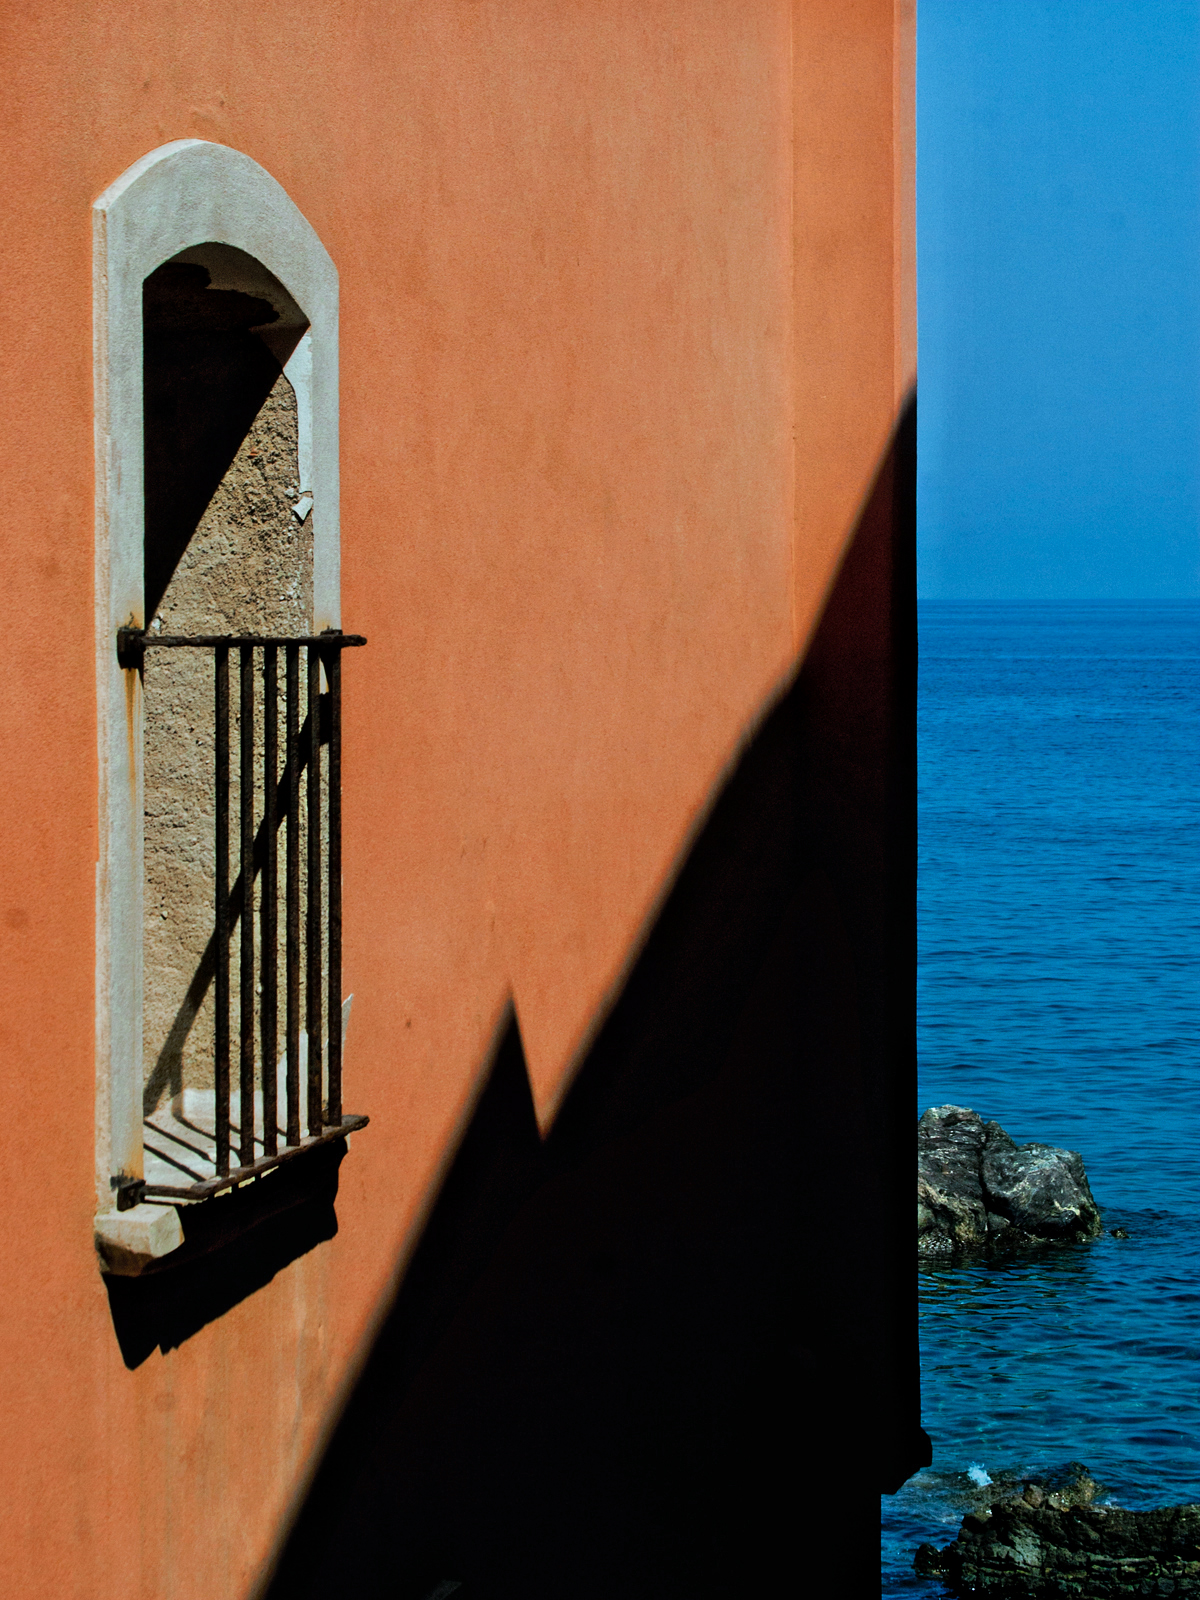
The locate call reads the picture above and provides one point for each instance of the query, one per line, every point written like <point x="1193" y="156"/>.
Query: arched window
<point x="218" y="663"/>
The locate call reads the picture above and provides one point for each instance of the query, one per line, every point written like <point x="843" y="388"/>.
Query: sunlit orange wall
<point x="597" y="258"/>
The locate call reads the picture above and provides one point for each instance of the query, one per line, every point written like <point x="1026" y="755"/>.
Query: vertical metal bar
<point x="246" y="859"/>
<point x="269" y="916"/>
<point x="221" y="828"/>
<point x="313" y="886"/>
<point x="293" y="894"/>
<point x="333" y="670"/>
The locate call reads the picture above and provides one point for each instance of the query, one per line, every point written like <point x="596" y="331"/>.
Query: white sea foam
<point x="978" y="1475"/>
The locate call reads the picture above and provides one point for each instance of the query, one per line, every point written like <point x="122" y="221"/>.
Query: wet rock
<point x="1019" y="1547"/>
<point x="980" y="1193"/>
<point x="1061" y="1489"/>
<point x="951" y="1215"/>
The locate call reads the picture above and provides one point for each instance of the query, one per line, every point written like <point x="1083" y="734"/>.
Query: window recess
<point x="219" y="1017"/>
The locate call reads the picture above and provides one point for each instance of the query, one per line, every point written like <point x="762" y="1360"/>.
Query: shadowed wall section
<point x="671" y="1350"/>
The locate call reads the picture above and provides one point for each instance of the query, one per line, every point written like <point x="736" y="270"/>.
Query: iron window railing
<point x="312" y="880"/>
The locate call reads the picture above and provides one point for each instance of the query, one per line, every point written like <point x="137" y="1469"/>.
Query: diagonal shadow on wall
<point x="671" y="1350"/>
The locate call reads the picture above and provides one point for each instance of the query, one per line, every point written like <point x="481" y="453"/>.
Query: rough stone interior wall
<point x="246" y="568"/>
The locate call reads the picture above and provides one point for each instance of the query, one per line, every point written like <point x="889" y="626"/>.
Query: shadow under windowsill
<point x="234" y="1244"/>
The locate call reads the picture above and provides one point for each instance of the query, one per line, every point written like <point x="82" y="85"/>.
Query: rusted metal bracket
<point x="129" y="1192"/>
<point x="131" y="648"/>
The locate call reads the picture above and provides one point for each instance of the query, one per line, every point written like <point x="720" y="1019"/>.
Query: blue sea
<point x="1059" y="992"/>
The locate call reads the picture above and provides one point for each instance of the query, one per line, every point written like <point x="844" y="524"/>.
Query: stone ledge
<point x="128" y="1241"/>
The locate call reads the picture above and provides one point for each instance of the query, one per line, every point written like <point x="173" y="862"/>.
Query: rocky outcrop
<point x="1030" y="1546"/>
<point x="980" y="1193"/>
<point x="1060" y="1488"/>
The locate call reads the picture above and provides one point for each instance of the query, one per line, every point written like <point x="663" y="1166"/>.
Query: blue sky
<point x="1058" y="225"/>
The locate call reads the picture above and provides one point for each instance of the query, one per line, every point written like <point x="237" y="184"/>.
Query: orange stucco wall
<point x="626" y="316"/>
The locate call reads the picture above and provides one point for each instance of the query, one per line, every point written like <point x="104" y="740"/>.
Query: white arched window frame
<point x="182" y="195"/>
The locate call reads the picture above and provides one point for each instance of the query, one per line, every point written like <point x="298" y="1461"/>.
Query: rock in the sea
<point x="1060" y="1488"/>
<point x="977" y="1191"/>
<point x="1030" y="1547"/>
